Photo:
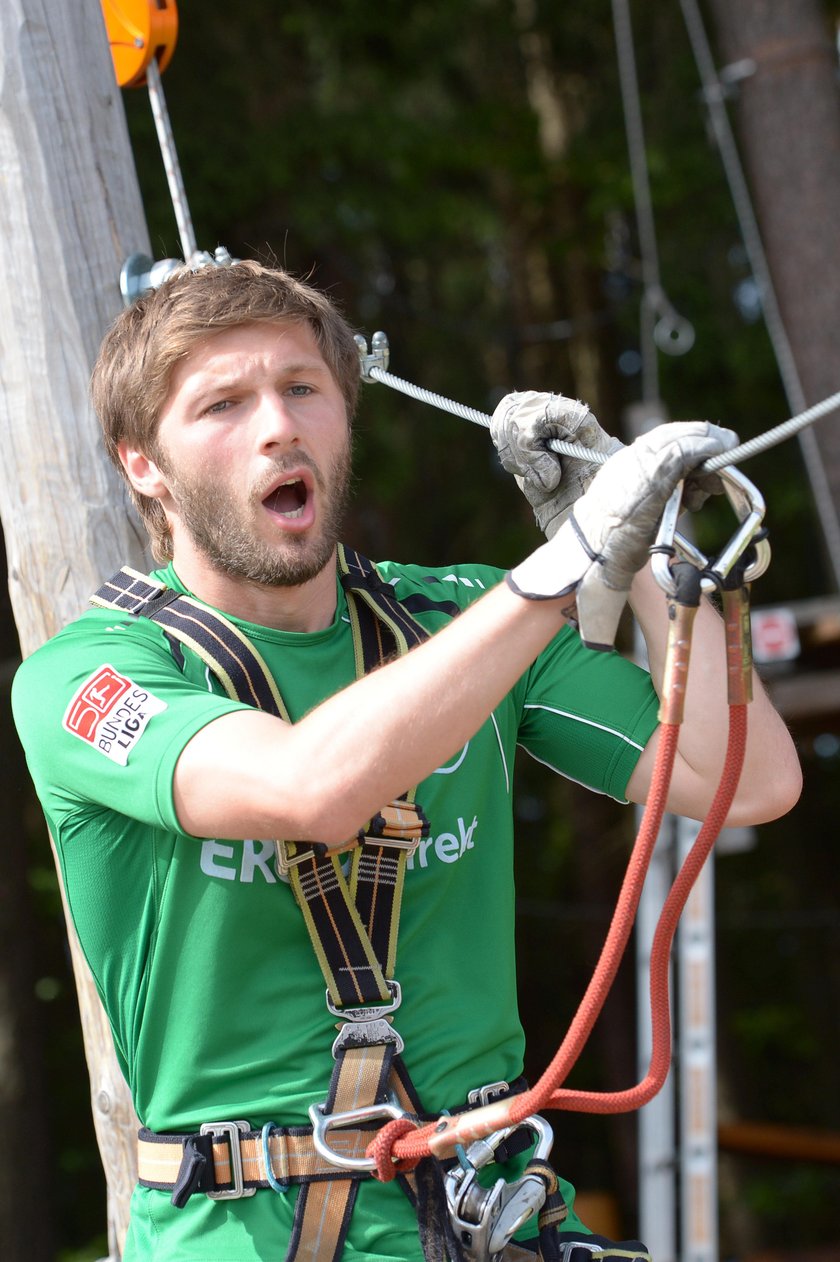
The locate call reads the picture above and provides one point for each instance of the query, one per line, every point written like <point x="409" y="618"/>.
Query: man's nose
<point x="277" y="425"/>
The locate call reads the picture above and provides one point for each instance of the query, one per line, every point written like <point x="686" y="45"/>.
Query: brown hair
<point x="132" y="373"/>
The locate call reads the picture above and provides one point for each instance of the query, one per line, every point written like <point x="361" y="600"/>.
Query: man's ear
<point x="142" y="472"/>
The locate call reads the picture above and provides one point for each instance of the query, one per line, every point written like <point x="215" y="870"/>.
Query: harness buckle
<point x="370" y="1012"/>
<point x="492" y="1091"/>
<point x="485" y="1219"/>
<point x="367" y="1034"/>
<point x="283" y="861"/>
<point x="749" y="507"/>
<point x="366" y="1026"/>
<point x="232" y="1132"/>
<point x="323" y="1122"/>
<point x="408" y="844"/>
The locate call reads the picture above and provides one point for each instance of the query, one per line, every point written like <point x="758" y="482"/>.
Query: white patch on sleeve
<point x="110" y="712"/>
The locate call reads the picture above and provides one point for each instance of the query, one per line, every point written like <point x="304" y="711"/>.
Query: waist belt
<point x="228" y="1160"/>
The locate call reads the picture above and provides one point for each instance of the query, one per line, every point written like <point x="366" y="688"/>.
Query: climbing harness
<point x="352" y="921"/>
<point x="370" y="1084"/>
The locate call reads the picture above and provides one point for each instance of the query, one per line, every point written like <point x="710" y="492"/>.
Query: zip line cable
<point x="714" y="94"/>
<point x="674" y="330"/>
<point x="744" y="451"/>
<point x="670" y="332"/>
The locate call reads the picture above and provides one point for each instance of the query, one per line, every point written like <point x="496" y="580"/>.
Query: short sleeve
<point x="587" y="714"/>
<point x="104" y="711"/>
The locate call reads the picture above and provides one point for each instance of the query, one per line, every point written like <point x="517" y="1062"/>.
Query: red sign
<point x="95" y="699"/>
<point x="774" y="635"/>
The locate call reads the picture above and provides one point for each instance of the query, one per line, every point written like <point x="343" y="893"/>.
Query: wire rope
<point x="744" y="451"/>
<point x="662" y="327"/>
<point x="169" y="153"/>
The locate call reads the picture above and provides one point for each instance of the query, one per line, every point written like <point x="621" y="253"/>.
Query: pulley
<point x="139" y="32"/>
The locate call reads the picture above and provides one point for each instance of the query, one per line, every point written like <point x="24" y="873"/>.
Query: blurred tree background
<point x="456" y="173"/>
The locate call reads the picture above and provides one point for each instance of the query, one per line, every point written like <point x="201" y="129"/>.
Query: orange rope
<point x="392" y="1144"/>
<point x="396" y="1147"/>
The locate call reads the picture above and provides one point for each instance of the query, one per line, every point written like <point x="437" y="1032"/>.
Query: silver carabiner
<point x="323" y="1122"/>
<point x="485" y="1219"/>
<point x="749" y="507"/>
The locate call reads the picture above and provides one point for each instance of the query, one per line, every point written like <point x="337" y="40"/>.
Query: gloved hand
<point x="522" y="425"/>
<point x="605" y="540"/>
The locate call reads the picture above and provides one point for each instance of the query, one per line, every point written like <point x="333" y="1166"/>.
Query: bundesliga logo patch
<point x="111" y="713"/>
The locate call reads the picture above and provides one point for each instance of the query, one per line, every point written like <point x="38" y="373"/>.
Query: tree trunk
<point x="70" y="212"/>
<point x="788" y="113"/>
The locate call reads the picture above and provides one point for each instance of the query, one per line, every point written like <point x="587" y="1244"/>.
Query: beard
<point x="220" y="531"/>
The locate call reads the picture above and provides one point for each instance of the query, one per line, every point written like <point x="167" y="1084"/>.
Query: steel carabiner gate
<point x="485" y="1219"/>
<point x="749" y="507"/>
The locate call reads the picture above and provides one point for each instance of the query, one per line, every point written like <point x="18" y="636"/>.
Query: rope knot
<point x="380" y="1149"/>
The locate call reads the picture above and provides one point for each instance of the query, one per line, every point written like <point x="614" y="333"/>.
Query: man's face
<point x="254" y="448"/>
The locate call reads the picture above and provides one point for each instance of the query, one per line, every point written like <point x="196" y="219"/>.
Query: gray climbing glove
<point x="522" y="425"/>
<point x="605" y="541"/>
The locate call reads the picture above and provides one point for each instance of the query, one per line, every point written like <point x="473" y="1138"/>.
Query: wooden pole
<point x="70" y="213"/>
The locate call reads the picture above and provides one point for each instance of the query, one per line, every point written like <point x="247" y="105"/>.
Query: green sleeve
<point x="587" y="714"/>
<point x="104" y="711"/>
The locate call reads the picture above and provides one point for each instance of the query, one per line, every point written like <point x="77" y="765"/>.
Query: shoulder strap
<point x="392" y="631"/>
<point x="239" y="667"/>
<point x="229" y="654"/>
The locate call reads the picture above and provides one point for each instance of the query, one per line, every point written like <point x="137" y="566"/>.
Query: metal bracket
<point x="323" y="1122"/>
<point x="141" y="274"/>
<point x="377" y="357"/>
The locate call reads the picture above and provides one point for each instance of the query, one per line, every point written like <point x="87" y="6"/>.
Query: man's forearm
<point x="770" y="781"/>
<point x="250" y="775"/>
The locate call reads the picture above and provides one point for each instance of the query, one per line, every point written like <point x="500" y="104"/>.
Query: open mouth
<point x="288" y="500"/>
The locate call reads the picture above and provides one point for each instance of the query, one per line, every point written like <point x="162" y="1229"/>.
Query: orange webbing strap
<point x="322" y="1210"/>
<point x="291" y="1152"/>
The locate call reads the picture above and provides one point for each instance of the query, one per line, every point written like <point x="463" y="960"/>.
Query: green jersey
<point x="205" y="969"/>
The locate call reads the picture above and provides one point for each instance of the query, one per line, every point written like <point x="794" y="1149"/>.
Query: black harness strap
<point x="216" y="641"/>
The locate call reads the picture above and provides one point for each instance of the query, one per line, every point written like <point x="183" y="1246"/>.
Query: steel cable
<point x="744" y="451"/>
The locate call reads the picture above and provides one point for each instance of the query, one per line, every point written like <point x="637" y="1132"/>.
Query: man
<point x="225" y="399"/>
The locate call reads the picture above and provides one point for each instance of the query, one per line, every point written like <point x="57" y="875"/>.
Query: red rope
<point x="660" y="1061"/>
<point x="395" y="1144"/>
